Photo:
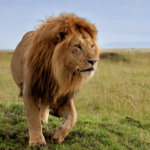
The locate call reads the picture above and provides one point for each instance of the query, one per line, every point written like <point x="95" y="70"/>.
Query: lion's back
<point x="18" y="58"/>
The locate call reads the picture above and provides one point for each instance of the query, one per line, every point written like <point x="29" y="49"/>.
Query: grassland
<point x="127" y="50"/>
<point x="113" y="109"/>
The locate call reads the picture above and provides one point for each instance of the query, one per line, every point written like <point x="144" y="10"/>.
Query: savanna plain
<point x="113" y="108"/>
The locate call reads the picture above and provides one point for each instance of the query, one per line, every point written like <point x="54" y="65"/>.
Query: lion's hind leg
<point x="21" y="89"/>
<point x="68" y="112"/>
<point x="44" y="112"/>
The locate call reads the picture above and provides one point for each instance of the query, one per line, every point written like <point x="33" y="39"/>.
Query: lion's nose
<point x="92" y="61"/>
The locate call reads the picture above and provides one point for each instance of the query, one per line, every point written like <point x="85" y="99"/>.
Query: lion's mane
<point x="53" y="87"/>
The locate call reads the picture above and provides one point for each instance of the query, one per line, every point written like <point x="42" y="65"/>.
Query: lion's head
<point x="77" y="55"/>
<point x="63" y="54"/>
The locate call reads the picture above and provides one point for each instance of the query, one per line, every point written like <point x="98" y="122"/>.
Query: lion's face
<point x="77" y="55"/>
<point x="83" y="52"/>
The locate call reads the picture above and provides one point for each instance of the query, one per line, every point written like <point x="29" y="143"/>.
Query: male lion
<point x="49" y="65"/>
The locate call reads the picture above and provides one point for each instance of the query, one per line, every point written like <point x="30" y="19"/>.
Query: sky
<point x="120" y="23"/>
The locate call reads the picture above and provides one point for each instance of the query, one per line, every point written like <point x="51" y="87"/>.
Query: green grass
<point x="87" y="134"/>
<point x="113" y="109"/>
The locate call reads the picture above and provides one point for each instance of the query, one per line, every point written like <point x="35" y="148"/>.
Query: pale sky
<point x="120" y="23"/>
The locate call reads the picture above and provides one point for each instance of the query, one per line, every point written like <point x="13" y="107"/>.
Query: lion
<point x="49" y="66"/>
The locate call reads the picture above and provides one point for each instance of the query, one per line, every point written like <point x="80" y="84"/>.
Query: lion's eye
<point x="78" y="46"/>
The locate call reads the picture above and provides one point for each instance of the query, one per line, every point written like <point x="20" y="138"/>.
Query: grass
<point x="118" y="89"/>
<point x="127" y="50"/>
<point x="87" y="134"/>
<point x="113" y="109"/>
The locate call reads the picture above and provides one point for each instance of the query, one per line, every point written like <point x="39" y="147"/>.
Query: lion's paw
<point x="59" y="136"/>
<point x="37" y="143"/>
<point x="57" y="140"/>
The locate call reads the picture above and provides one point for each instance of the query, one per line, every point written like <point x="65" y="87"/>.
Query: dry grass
<point x="117" y="89"/>
<point x="8" y="90"/>
<point x="127" y="50"/>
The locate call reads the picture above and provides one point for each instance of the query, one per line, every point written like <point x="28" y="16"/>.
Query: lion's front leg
<point x="68" y="112"/>
<point x="34" y="122"/>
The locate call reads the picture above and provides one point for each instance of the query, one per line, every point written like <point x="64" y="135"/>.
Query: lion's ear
<point x="61" y="36"/>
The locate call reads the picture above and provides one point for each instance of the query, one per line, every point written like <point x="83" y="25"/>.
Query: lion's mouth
<point x="90" y="69"/>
